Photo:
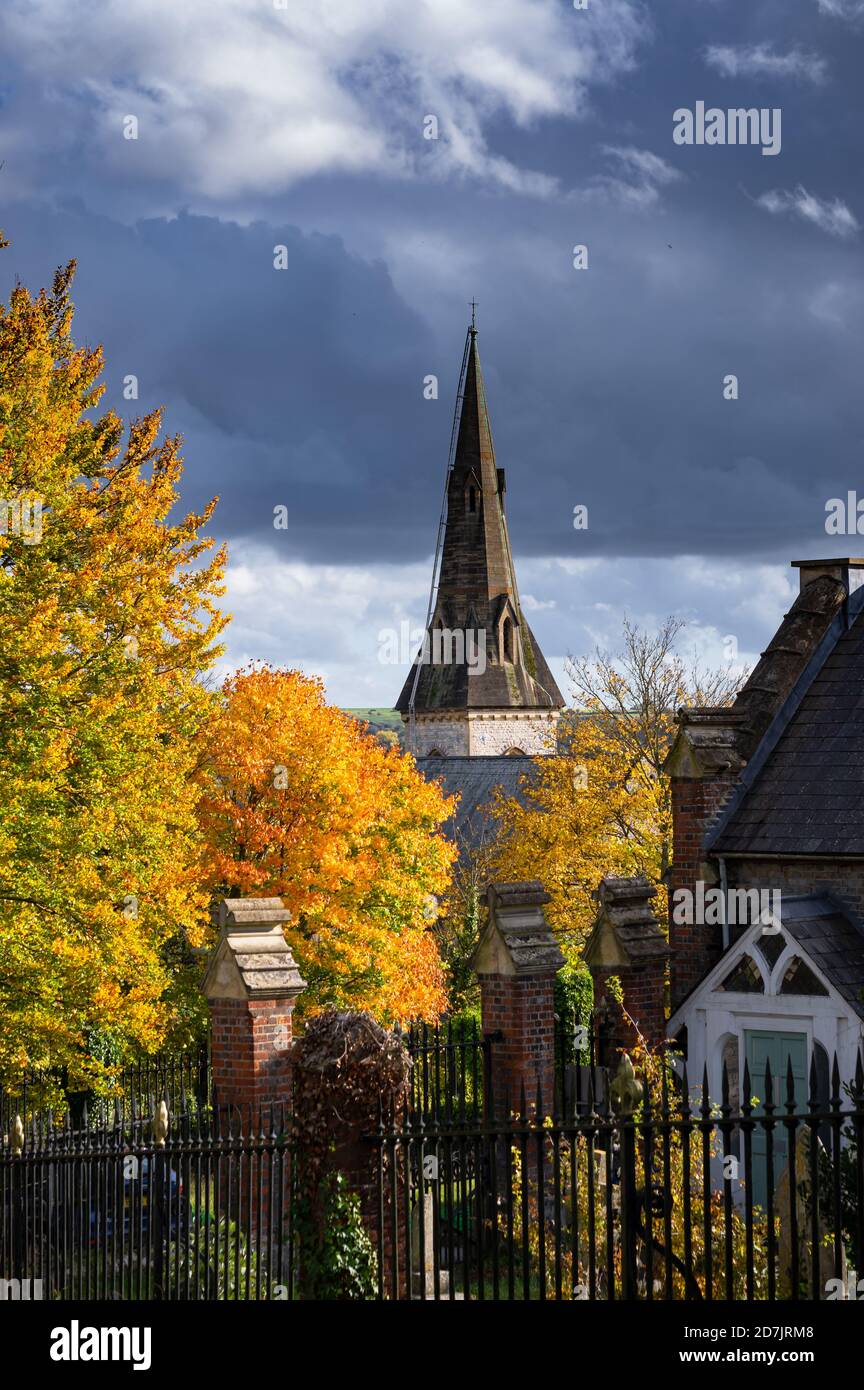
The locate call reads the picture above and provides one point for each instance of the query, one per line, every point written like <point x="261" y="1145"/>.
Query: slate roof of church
<point x="803" y="791"/>
<point x="475" y="778"/>
<point x="477" y="580"/>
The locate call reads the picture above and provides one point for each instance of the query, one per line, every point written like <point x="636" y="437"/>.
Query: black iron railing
<point x="181" y="1079"/>
<point x="452" y="1067"/>
<point x="195" y="1206"/>
<point x="649" y="1192"/>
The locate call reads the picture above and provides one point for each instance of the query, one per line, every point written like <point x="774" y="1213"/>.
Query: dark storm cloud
<point x="303" y="388"/>
<point x="293" y="387"/>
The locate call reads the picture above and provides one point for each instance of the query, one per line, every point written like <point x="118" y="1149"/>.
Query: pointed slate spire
<point x="494" y="662"/>
<point x="475" y="451"/>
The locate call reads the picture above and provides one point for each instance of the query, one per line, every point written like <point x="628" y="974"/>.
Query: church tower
<point x="480" y="685"/>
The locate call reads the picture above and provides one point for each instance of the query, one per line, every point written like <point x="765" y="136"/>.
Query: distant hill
<point x="379" y="720"/>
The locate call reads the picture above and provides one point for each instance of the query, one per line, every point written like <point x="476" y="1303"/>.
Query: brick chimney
<point x="848" y="571"/>
<point x="703" y="765"/>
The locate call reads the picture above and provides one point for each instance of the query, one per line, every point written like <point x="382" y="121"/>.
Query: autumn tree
<point x="107" y="620"/>
<point x="461" y="924"/>
<point x="603" y="806"/>
<point x="299" y="800"/>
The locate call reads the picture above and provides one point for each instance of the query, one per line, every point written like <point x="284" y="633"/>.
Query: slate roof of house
<point x="833" y="938"/>
<point x="803" y="792"/>
<point x="476" y="779"/>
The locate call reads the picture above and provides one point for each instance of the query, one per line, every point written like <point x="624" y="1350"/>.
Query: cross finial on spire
<point x="474" y="315"/>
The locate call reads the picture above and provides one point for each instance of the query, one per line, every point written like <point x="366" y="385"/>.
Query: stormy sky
<point x="262" y="126"/>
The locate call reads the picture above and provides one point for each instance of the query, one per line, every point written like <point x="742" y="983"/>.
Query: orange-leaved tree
<point x="107" y="620"/>
<point x="299" y="801"/>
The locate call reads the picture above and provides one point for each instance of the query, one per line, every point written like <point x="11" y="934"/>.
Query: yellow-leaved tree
<point x="603" y="806"/>
<point x="298" y="800"/>
<point x="107" y="620"/>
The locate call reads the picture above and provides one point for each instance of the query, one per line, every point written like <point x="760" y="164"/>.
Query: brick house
<point x="766" y="889"/>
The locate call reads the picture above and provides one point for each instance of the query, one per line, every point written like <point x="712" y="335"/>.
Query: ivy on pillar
<point x="516" y="962"/>
<point x="252" y="983"/>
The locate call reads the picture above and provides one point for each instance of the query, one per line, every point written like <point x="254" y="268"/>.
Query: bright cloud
<point x="842" y="9"/>
<point x="328" y="619"/>
<point x="835" y="217"/>
<point x="637" y="178"/>
<point x="239" y="96"/>
<point x="761" y="60"/>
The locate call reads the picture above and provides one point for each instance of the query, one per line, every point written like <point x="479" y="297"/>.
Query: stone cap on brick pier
<point x="625" y="931"/>
<point x="252" y="959"/>
<point x="517" y="939"/>
<point x="707" y="743"/>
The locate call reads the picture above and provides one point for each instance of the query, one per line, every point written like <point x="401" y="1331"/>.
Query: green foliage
<point x="336" y="1256"/>
<point x="587" y="1218"/>
<point x="468" y="1018"/>
<point x="457" y="934"/>
<point x="218" y="1259"/>
<point x="848" y="1184"/>
<point x="574" y="1000"/>
<point x="386" y="724"/>
<point x="615" y="989"/>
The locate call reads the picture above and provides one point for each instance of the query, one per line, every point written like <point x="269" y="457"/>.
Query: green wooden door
<point x="761" y="1047"/>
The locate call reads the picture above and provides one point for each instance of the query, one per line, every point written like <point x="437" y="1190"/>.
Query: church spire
<point x="475" y="564"/>
<point x="480" y="681"/>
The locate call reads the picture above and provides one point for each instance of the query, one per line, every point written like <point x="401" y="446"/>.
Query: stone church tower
<point x="480" y="686"/>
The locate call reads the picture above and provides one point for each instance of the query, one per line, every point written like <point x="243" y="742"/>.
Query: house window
<point x="744" y="978"/>
<point x="799" y="979"/>
<point x="771" y="945"/>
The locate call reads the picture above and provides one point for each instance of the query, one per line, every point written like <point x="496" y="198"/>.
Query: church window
<point x="472" y="499"/>
<point x="771" y="946"/>
<point x="745" y="977"/>
<point x="799" y="979"/>
<point x="515" y="753"/>
<point x="507" y="640"/>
